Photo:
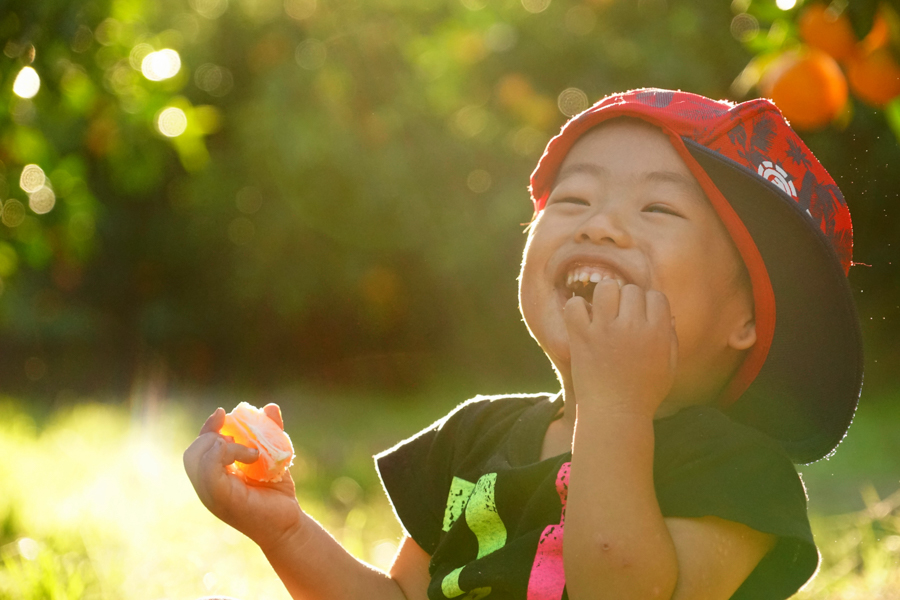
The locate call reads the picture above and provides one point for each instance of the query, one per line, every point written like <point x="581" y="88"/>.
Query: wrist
<point x="618" y="411"/>
<point x="294" y="535"/>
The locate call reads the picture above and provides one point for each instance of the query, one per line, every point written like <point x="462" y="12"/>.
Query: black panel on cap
<point x="806" y="392"/>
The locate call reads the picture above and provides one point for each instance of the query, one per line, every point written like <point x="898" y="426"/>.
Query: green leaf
<point x="892" y="113"/>
<point x="862" y="15"/>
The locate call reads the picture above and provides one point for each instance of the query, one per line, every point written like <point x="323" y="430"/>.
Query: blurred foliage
<point x="344" y="201"/>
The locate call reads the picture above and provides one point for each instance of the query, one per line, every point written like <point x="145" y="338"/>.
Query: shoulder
<point x="707" y="465"/>
<point x="697" y="431"/>
<point x="494" y="409"/>
<point x="472" y="419"/>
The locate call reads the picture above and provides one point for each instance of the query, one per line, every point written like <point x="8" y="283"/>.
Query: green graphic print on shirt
<point x="477" y="500"/>
<point x="477" y="503"/>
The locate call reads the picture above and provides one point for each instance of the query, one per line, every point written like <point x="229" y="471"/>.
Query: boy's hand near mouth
<point x="623" y="348"/>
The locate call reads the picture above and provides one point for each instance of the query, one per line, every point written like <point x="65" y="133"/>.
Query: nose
<point x="604" y="225"/>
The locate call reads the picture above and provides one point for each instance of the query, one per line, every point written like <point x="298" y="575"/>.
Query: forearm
<point x="616" y="542"/>
<point x="314" y="566"/>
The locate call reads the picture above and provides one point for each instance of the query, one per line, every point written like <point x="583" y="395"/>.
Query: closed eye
<point x="662" y="208"/>
<point x="569" y="200"/>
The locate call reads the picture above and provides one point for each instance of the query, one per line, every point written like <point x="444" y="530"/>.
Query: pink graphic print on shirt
<point x="548" y="579"/>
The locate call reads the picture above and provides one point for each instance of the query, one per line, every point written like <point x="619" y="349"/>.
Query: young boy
<point x="685" y="274"/>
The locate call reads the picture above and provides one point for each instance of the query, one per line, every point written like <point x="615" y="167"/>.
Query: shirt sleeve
<point x="707" y="465"/>
<point x="416" y="475"/>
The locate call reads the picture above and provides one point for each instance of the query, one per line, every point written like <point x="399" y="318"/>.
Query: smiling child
<point x="685" y="275"/>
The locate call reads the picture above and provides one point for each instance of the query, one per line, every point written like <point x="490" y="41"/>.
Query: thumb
<point x="214" y="422"/>
<point x="231" y="451"/>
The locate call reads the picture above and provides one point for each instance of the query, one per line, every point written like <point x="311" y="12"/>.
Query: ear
<point x="743" y="336"/>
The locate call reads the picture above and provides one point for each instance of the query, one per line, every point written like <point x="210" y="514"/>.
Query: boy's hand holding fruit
<point x="227" y="475"/>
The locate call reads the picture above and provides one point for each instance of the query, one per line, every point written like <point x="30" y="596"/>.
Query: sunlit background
<point x="322" y="203"/>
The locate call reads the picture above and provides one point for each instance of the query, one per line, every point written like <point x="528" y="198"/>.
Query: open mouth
<point x="582" y="279"/>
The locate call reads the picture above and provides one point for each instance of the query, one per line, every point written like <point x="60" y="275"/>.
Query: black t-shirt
<point x="472" y="492"/>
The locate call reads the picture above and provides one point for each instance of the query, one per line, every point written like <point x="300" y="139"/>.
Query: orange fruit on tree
<point x="822" y="28"/>
<point x="808" y="86"/>
<point x="875" y="76"/>
<point x="873" y="71"/>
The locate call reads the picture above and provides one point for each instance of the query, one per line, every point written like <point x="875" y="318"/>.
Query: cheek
<point x="528" y="294"/>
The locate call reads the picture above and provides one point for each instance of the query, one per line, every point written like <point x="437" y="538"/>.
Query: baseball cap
<point x="800" y="382"/>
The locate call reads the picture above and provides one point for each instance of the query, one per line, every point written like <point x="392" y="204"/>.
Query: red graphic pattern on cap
<point x="753" y="134"/>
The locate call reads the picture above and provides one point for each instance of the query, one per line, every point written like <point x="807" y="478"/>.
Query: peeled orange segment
<point x="252" y="427"/>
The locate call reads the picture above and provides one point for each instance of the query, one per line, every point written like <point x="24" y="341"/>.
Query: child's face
<point x="625" y="205"/>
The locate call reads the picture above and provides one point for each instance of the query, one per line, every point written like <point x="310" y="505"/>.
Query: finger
<point x="214" y="422"/>
<point x="273" y="411"/>
<point x="632" y="303"/>
<point x="606" y="299"/>
<point x="193" y="455"/>
<point x="576" y="312"/>
<point x="658" y="314"/>
<point x="658" y="310"/>
<point x="237" y="452"/>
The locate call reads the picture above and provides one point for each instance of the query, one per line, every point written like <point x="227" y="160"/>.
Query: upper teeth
<point x="592" y="274"/>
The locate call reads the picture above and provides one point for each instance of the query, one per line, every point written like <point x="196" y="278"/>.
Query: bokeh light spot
<point x="382" y="553"/>
<point x="785" y="4"/>
<point x="211" y="9"/>
<point x="580" y="19"/>
<point x="479" y="181"/>
<point x="311" y="54"/>
<point x="28" y="548"/>
<point x="572" y="101"/>
<point x="300" y="9"/>
<point x="535" y="6"/>
<point x="107" y="32"/>
<point x="32" y="178"/>
<point x="249" y="200"/>
<point x="346" y="490"/>
<point x="210" y="580"/>
<point x="161" y="65"/>
<point x="500" y="37"/>
<point x="744" y="27"/>
<point x="82" y="40"/>
<point x="527" y="141"/>
<point x="171" y="122"/>
<point x="27" y="83"/>
<point x="138" y="54"/>
<point x="42" y="201"/>
<point x="473" y="4"/>
<point x="213" y="79"/>
<point x="13" y="213"/>
<point x="469" y="121"/>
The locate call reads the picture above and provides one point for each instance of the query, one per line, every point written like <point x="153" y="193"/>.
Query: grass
<point x="95" y="503"/>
